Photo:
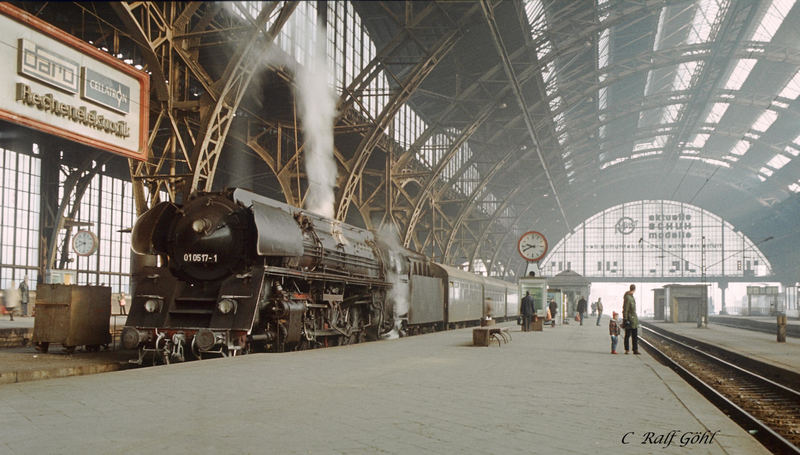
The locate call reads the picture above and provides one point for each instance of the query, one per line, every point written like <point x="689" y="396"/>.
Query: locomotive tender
<point x="241" y="272"/>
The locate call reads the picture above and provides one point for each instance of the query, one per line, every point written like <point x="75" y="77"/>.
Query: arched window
<point x="657" y="239"/>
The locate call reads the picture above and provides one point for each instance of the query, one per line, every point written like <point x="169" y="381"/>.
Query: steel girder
<point x="445" y="159"/>
<point x="414" y="78"/>
<point x="523" y="104"/>
<point x="233" y="85"/>
<point x="467" y="208"/>
<point x="194" y="127"/>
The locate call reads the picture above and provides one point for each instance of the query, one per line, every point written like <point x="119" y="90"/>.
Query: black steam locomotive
<point x="238" y="272"/>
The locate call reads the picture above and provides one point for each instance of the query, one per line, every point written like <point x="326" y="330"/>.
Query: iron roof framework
<point x="568" y="107"/>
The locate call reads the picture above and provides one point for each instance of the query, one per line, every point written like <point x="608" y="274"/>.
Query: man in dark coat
<point x="527" y="311"/>
<point x="581" y="308"/>
<point x="553" y="309"/>
<point x="632" y="324"/>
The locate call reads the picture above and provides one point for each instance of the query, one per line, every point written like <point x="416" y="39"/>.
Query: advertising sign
<point x="60" y="85"/>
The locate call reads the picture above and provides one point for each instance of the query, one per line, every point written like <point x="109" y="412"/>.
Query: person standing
<point x="527" y="311"/>
<point x="24" y="295"/>
<point x="553" y="310"/>
<point x="630" y="320"/>
<point x="122" y="303"/>
<point x="581" y="308"/>
<point x="613" y="330"/>
<point x="599" y="310"/>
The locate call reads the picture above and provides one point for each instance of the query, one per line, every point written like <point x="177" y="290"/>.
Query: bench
<point x="482" y="336"/>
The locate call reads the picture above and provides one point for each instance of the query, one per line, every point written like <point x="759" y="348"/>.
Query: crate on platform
<point x="72" y="316"/>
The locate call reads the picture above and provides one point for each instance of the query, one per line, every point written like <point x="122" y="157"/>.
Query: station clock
<point x="84" y="243"/>
<point x="532" y="246"/>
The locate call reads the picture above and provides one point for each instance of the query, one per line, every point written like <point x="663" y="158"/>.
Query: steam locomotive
<point x="238" y="272"/>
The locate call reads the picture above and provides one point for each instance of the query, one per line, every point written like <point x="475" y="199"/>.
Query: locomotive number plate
<point x="200" y="257"/>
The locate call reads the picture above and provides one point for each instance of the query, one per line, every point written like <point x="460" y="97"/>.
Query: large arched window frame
<point x="653" y="239"/>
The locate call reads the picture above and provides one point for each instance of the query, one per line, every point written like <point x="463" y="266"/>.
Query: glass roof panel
<point x="792" y="88"/>
<point x="765" y="121"/>
<point x="778" y="161"/>
<point x="706" y="160"/>
<point x="740" y="148"/>
<point x="772" y="19"/>
<point x="683" y="77"/>
<point x="602" y="49"/>
<point x="699" y="140"/>
<point x="740" y="73"/>
<point x="705" y="16"/>
<point x="766" y="171"/>
<point x="535" y="12"/>
<point x="671" y="113"/>
<point x="717" y="111"/>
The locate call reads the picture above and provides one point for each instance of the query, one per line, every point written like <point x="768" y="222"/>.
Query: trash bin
<point x="72" y="316"/>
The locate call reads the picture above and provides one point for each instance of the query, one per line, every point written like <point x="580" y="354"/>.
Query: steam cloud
<point x="317" y="110"/>
<point x="397" y="296"/>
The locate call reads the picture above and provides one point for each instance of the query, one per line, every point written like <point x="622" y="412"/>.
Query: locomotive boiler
<point x="241" y="272"/>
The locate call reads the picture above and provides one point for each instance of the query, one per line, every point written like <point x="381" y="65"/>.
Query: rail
<point x="767" y="409"/>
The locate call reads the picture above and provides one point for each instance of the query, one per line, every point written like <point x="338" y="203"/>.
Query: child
<point x="613" y="330"/>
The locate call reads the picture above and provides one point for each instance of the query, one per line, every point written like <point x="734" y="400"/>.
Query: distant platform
<point x="765" y="324"/>
<point x="555" y="391"/>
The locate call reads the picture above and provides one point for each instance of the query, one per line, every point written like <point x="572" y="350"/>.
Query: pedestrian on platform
<point x="594" y="308"/>
<point x="630" y="321"/>
<point x="553" y="310"/>
<point x="599" y="310"/>
<point x="122" y="303"/>
<point x="527" y="311"/>
<point x="613" y="330"/>
<point x="24" y="295"/>
<point x="581" y="308"/>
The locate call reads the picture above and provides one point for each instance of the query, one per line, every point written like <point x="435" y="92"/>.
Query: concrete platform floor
<point x="557" y="391"/>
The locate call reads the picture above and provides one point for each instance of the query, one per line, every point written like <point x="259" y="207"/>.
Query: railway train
<point x="237" y="272"/>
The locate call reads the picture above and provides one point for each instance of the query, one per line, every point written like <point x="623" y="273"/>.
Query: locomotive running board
<point x="280" y="271"/>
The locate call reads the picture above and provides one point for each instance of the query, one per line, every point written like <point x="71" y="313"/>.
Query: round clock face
<point x="84" y="243"/>
<point x="532" y="246"/>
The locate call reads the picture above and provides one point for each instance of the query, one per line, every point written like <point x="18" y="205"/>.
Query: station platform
<point x="758" y="345"/>
<point x="20" y="362"/>
<point x="762" y="323"/>
<point x="556" y="391"/>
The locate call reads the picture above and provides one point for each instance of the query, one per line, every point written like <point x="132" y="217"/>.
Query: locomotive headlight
<point x="153" y="305"/>
<point x="225" y="306"/>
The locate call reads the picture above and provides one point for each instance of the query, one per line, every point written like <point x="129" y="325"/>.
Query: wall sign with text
<point x="60" y="85"/>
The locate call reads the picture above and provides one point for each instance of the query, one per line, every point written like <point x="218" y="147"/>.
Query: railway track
<point x="767" y="407"/>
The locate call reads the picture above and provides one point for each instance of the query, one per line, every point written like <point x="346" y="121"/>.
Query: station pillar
<point x="723" y="285"/>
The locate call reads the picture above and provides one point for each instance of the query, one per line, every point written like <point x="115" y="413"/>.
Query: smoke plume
<point x="317" y="110"/>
